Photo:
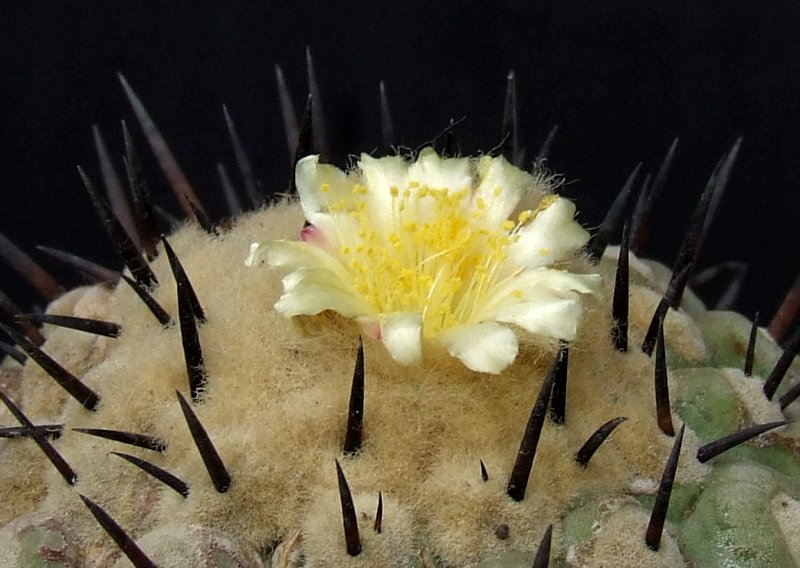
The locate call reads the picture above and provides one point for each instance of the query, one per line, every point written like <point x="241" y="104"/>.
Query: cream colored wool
<point x="276" y="407"/>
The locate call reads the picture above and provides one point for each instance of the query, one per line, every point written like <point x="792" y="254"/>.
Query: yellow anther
<point x="326" y="187"/>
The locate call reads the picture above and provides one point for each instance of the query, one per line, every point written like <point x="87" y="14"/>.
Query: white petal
<point x="552" y="235"/>
<point x="295" y="254"/>
<point x="555" y="317"/>
<point x="402" y="335"/>
<point x="311" y="176"/>
<point x="500" y="187"/>
<point x="536" y="284"/>
<point x="484" y="347"/>
<point x="380" y="175"/>
<point x="309" y="292"/>
<point x="440" y="173"/>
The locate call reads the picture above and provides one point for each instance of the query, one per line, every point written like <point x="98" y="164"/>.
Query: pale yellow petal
<point x="401" y="333"/>
<point x="554" y="317"/>
<point x="484" y="347"/>
<point x="552" y="235"/>
<point x="320" y="185"/>
<point x="440" y="173"/>
<point x="309" y="292"/>
<point x="500" y="188"/>
<point x="380" y="175"/>
<point x="535" y="284"/>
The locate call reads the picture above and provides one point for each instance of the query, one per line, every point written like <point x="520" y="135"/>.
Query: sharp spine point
<point x="520" y="474"/>
<point x="166" y="160"/>
<point x="715" y="448"/>
<point x="158" y="473"/>
<point x="558" y="401"/>
<point x="114" y="192"/>
<point x="663" y="409"/>
<point x="287" y="113"/>
<point x="594" y="442"/>
<point x="750" y="355"/>
<point x="387" y="128"/>
<point x="355" y="413"/>
<point x="305" y="141"/>
<point x="775" y="377"/>
<point x="484" y="472"/>
<point x="231" y="199"/>
<point x="349" y="518"/>
<point x="619" y="210"/>
<point x="155" y="308"/>
<point x="542" y="559"/>
<point x="188" y="307"/>
<point x="125" y="246"/>
<point x="320" y="130"/>
<point x="214" y="465"/>
<point x="638" y="212"/>
<point x="547" y="145"/>
<point x="64" y="378"/>
<point x="656" y="525"/>
<point x="641" y="237"/>
<point x="182" y="279"/>
<point x="52" y="431"/>
<point x="96" y="273"/>
<point x="143" y="211"/>
<point x="509" y="146"/>
<point x="243" y="162"/>
<point x="44" y="284"/>
<point x="378" y="514"/>
<point x="96" y="327"/>
<point x="139" y="440"/>
<point x="125" y="542"/>
<point x="620" y="302"/>
<point x="47" y="448"/>
<point x="201" y="218"/>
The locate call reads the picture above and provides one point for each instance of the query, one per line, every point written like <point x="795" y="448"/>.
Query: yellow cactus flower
<point x="461" y="252"/>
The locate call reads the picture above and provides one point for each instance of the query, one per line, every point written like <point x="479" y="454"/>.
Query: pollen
<point x="438" y="259"/>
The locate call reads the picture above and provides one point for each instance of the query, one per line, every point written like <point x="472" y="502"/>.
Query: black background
<point x="621" y="79"/>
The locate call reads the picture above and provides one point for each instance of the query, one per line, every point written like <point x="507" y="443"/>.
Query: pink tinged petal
<point x="484" y="347"/>
<point x="309" y="292"/>
<point x="557" y="318"/>
<point x="309" y="234"/>
<point x="401" y="333"/>
<point x="551" y="236"/>
<point x="371" y="326"/>
<point x="311" y="177"/>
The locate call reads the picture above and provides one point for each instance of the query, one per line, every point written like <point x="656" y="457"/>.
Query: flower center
<point x="440" y="256"/>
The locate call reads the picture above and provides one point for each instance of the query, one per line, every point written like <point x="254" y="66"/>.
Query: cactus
<point x="174" y="416"/>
